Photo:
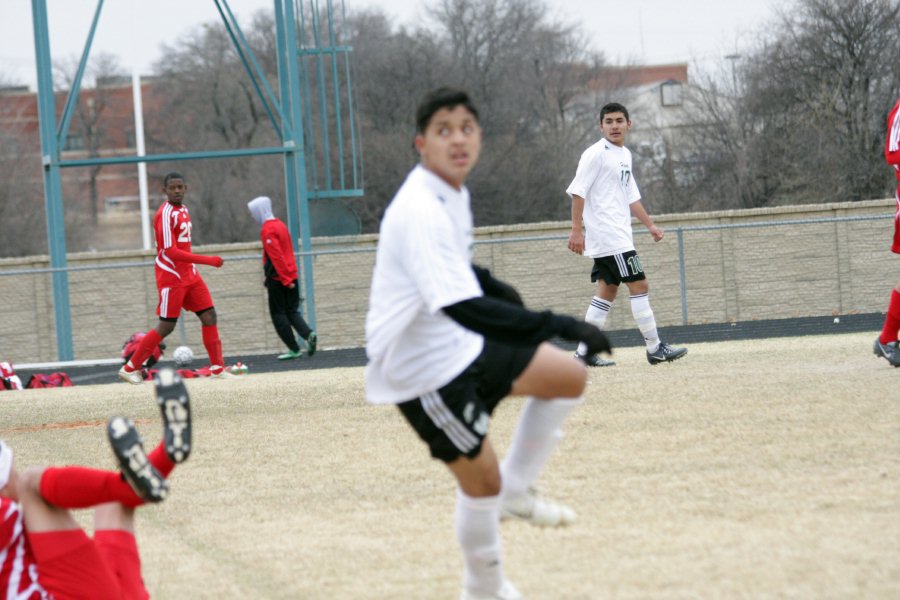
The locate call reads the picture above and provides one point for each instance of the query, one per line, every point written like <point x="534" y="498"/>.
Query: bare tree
<point x="211" y="104"/>
<point x="806" y="123"/>
<point x="88" y="125"/>
<point x="21" y="201"/>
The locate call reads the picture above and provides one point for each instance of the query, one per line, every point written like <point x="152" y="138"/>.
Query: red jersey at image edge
<point x="173" y="230"/>
<point x="892" y="156"/>
<point x="18" y="566"/>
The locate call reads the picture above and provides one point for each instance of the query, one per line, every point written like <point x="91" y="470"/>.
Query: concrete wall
<point x="736" y="274"/>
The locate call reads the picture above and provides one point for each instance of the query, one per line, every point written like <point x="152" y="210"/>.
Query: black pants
<point x="284" y="305"/>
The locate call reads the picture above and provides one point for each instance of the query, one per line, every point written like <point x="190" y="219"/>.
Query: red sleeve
<point x="176" y="253"/>
<point x="892" y="144"/>
<point x="277" y="246"/>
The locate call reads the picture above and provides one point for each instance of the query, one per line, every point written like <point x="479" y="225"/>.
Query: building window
<point x="74" y="142"/>
<point x="671" y="94"/>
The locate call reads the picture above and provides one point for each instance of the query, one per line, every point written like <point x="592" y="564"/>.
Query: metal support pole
<point x="56" y="232"/>
<point x="295" y="167"/>
<point x="681" y="276"/>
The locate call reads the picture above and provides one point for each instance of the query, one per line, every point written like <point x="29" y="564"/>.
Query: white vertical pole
<point x="142" y="166"/>
<point x="139" y="129"/>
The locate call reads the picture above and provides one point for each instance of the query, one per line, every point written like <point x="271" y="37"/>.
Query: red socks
<point x="147" y="345"/>
<point x="892" y="321"/>
<point x="83" y="487"/>
<point x="213" y="345"/>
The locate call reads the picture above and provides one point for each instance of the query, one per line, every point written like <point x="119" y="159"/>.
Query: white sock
<point x="643" y="316"/>
<point x="536" y="437"/>
<point x="478" y="533"/>
<point x="596" y="315"/>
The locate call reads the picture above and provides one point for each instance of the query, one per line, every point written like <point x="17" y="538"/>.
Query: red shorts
<point x="194" y="297"/>
<point x="72" y="566"/>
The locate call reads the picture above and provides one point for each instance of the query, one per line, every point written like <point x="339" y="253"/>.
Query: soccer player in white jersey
<point x="604" y="198"/>
<point x="886" y="344"/>
<point x="446" y="342"/>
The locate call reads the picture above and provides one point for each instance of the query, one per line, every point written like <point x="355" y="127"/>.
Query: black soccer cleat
<point x="889" y="351"/>
<point x="175" y="406"/>
<point x="594" y="360"/>
<point x="136" y="468"/>
<point x="311" y="343"/>
<point x="665" y="353"/>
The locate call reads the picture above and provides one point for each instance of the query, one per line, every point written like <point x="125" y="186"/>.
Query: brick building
<point x="102" y="126"/>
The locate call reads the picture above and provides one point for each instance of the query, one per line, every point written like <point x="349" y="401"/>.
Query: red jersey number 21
<point x="185" y="235"/>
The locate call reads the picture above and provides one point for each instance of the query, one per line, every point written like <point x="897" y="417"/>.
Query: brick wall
<point x="769" y="272"/>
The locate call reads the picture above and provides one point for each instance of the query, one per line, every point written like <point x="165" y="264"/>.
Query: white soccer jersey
<point x="605" y="180"/>
<point x="423" y="263"/>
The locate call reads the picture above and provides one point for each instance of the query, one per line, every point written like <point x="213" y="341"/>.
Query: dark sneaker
<point x="128" y="448"/>
<point x="889" y="351"/>
<point x="665" y="353"/>
<point x="175" y="406"/>
<point x="593" y="360"/>
<point x="311" y="343"/>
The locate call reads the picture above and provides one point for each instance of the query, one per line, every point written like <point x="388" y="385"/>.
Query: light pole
<point x="733" y="58"/>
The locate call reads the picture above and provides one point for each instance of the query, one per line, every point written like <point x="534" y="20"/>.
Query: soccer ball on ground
<point x="182" y="356"/>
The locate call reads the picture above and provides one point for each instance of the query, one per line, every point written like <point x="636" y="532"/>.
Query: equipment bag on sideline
<point x="39" y="380"/>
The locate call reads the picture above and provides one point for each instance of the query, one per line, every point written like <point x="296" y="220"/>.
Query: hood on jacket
<point x="261" y="209"/>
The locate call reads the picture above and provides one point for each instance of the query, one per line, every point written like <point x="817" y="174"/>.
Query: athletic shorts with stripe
<point x="454" y="420"/>
<point x="616" y="268"/>
<point x="194" y="297"/>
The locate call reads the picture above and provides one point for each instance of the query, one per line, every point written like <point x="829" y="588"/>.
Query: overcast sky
<point x="700" y="32"/>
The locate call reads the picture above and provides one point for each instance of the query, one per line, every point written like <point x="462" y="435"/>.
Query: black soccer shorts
<point x="454" y="420"/>
<point x="616" y="268"/>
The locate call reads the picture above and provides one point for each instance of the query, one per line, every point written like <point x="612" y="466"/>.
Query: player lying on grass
<point x="44" y="553"/>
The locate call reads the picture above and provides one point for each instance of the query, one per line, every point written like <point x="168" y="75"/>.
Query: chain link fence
<point x="719" y="267"/>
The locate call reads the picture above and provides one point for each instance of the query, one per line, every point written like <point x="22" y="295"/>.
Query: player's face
<point x="450" y="145"/>
<point x="175" y="190"/>
<point x="614" y="126"/>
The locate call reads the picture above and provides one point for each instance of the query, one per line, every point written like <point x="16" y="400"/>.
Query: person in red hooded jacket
<point x="886" y="344"/>
<point x="280" y="270"/>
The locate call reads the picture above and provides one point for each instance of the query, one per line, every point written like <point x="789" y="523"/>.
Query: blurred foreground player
<point x="178" y="283"/>
<point x="886" y="344"/>
<point x="44" y="553"/>
<point x="447" y="342"/>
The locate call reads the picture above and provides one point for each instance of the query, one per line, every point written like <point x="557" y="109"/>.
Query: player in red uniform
<point x="178" y="283"/>
<point x="44" y="553"/>
<point x="886" y="344"/>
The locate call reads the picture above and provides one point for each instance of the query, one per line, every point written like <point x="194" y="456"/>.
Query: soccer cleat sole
<point x="128" y="449"/>
<point x="175" y="405"/>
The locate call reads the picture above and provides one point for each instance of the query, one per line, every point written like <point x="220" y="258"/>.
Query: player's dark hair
<point x="614" y="107"/>
<point x="172" y="175"/>
<point x="435" y="100"/>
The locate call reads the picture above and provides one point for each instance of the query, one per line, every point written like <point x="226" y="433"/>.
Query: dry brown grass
<point x="758" y="469"/>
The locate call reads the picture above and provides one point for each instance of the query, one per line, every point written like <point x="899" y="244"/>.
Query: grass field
<point x="755" y="469"/>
